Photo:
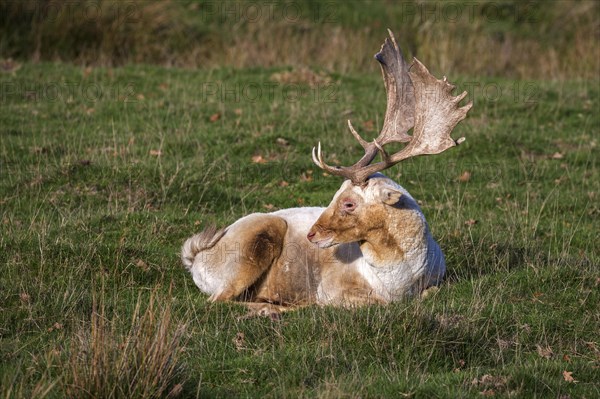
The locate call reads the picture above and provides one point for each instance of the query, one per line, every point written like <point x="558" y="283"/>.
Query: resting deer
<point x="370" y="245"/>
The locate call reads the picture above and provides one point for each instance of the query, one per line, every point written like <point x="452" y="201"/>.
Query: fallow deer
<point x="370" y="245"/>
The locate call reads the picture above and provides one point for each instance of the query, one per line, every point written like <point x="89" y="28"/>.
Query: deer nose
<point x="310" y="235"/>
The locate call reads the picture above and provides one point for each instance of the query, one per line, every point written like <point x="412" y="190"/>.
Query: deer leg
<point x="356" y="297"/>
<point x="356" y="291"/>
<point x="428" y="292"/>
<point x="266" y="309"/>
<point x="258" y="242"/>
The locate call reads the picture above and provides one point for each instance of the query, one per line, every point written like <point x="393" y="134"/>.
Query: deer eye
<point x="348" y="206"/>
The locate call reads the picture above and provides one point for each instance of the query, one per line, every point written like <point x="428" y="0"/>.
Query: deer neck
<point x="396" y="235"/>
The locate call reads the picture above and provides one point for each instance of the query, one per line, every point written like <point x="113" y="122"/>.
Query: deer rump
<point x="371" y="244"/>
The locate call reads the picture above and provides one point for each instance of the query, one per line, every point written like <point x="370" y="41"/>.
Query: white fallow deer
<point x="370" y="245"/>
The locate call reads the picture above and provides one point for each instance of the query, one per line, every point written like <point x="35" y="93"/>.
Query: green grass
<point x="92" y="219"/>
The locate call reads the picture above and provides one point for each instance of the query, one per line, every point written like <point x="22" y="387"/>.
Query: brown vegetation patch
<point x="529" y="42"/>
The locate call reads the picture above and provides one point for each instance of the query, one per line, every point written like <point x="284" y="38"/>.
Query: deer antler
<point x="415" y="98"/>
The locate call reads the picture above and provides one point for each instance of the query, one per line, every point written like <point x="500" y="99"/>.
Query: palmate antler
<point x="415" y="98"/>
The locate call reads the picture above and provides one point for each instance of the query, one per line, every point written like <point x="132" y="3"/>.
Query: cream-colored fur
<point x="377" y="252"/>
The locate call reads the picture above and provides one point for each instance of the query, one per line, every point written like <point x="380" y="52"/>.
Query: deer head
<point x="356" y="212"/>
<point x="415" y="99"/>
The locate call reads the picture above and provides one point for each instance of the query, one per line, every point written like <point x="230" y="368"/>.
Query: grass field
<point x="104" y="173"/>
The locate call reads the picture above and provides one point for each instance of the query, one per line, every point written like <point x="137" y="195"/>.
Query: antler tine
<point x="384" y="155"/>
<point x="362" y="142"/>
<point x="347" y="172"/>
<point x="400" y="110"/>
<point x="317" y="157"/>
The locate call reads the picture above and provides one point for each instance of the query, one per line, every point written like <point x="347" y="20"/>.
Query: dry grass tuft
<point x="141" y="362"/>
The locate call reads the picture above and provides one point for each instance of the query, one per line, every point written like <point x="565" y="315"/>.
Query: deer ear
<point x="390" y="196"/>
